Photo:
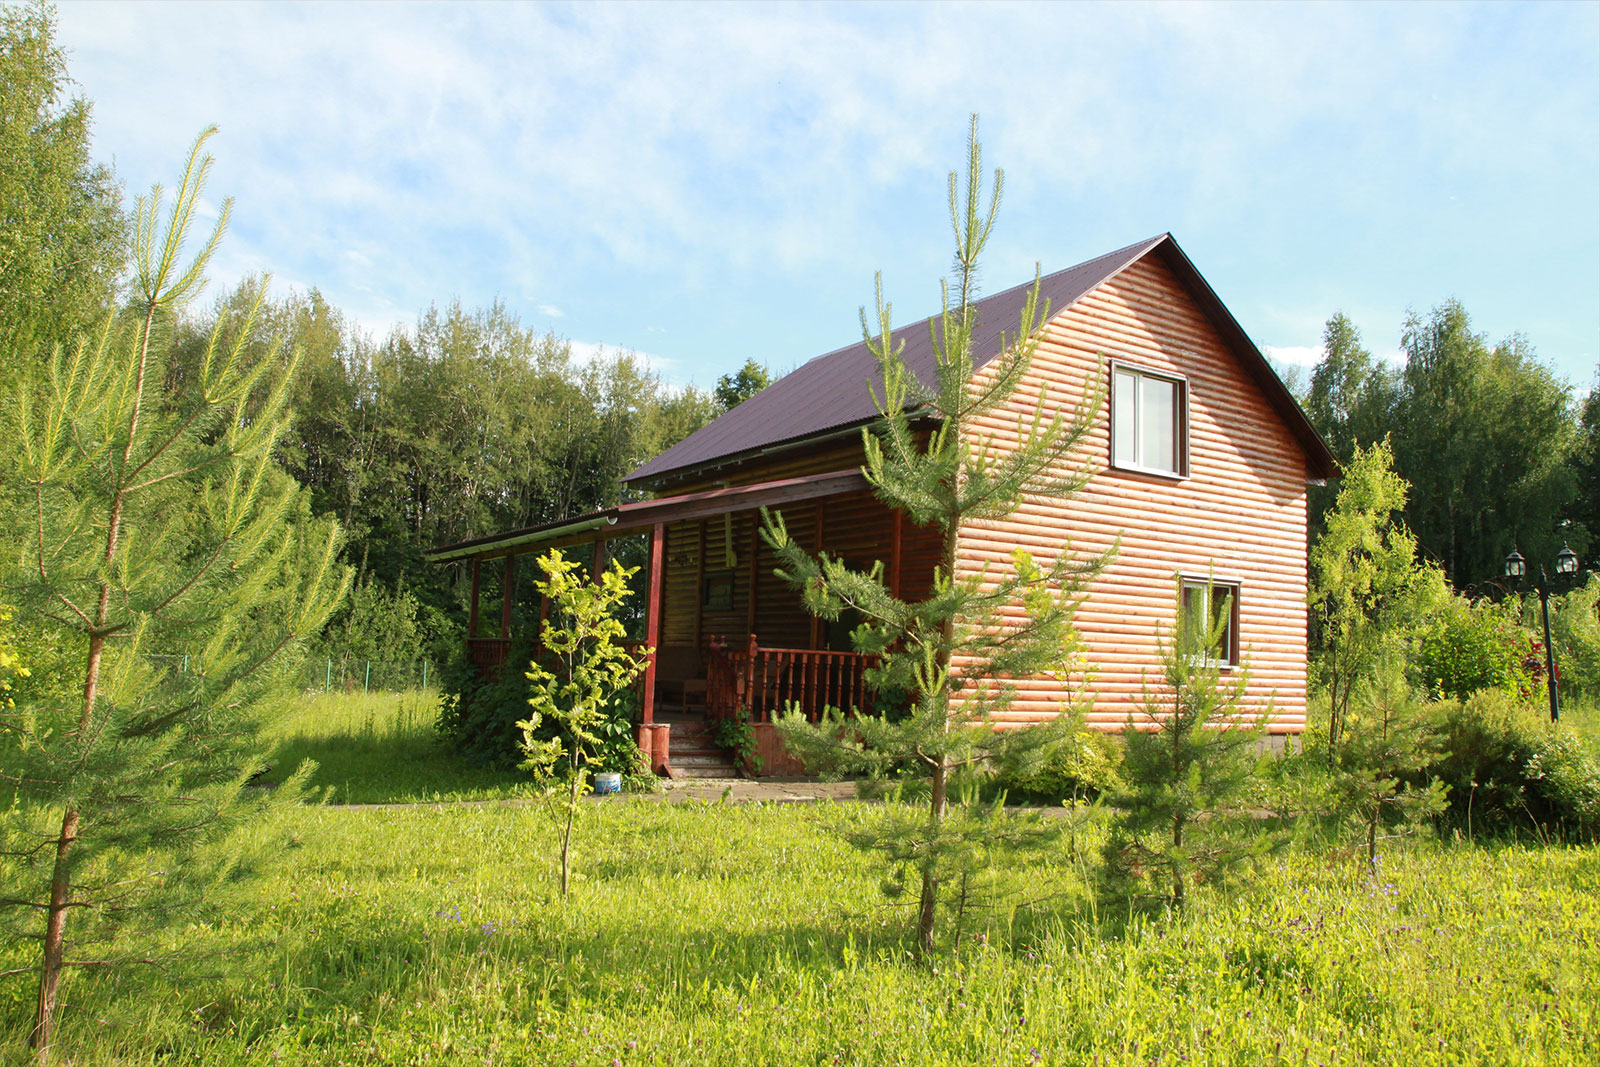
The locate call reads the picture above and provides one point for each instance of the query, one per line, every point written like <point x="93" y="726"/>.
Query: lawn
<point x="713" y="934"/>
<point x="381" y="748"/>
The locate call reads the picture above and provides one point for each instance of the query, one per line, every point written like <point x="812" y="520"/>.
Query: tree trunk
<point x="1177" y="869"/>
<point x="928" y="906"/>
<point x="42" y="1036"/>
<point x="566" y="836"/>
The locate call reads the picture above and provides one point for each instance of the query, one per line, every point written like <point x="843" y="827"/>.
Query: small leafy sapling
<point x="1386" y="743"/>
<point x="583" y="694"/>
<point x="1188" y="758"/>
<point x="1369" y="594"/>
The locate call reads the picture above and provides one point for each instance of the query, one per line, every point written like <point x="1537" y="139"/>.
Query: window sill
<point x="1225" y="666"/>
<point x="1155" y="472"/>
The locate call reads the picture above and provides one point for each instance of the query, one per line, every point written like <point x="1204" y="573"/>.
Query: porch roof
<point x="640" y="515"/>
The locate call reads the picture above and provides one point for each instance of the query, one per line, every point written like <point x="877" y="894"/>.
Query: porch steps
<point x="691" y="751"/>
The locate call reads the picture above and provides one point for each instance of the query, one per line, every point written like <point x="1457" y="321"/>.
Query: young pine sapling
<point x="956" y="651"/>
<point x="1182" y="813"/>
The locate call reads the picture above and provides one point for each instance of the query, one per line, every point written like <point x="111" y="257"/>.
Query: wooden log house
<point x="1201" y="461"/>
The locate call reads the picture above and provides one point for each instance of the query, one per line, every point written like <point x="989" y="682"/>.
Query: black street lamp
<point x="1566" y="568"/>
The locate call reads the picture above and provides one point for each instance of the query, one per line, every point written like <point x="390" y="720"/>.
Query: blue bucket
<point x="608" y="782"/>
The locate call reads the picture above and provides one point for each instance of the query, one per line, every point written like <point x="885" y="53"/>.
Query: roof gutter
<point x="582" y="526"/>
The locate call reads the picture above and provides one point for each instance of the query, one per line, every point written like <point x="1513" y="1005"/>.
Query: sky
<point x="706" y="183"/>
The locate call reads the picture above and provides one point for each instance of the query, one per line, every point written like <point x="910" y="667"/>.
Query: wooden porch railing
<point x="763" y="681"/>
<point x="488" y="654"/>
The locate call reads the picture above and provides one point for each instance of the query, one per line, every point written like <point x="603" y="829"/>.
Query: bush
<point x="1509" y="771"/>
<point x="1473" y="646"/>
<point x="1081" y="769"/>
<point x="478" y="716"/>
<point x="1575" y="632"/>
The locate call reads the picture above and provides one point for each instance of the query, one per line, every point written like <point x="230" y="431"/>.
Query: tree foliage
<point x="61" y="227"/>
<point x="1188" y="759"/>
<point x="1380" y="758"/>
<point x="1486" y="438"/>
<point x="156" y="523"/>
<point x="1369" y="596"/>
<point x="592" y="668"/>
<point x="954" y="652"/>
<point x="744" y="383"/>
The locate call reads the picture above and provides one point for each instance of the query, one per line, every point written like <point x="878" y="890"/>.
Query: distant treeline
<point x="469" y="422"/>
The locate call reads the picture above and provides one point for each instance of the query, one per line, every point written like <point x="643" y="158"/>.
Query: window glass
<point x="1158" y="424"/>
<point x="1147" y="421"/>
<point x="1212" y="605"/>
<point x="1126" y="420"/>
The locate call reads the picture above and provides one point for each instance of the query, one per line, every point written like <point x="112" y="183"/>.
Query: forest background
<point x="469" y="422"/>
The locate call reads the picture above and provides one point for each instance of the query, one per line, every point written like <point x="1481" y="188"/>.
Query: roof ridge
<point x="834" y="389"/>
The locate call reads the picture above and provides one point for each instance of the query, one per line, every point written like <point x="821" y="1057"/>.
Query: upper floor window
<point x="1149" y="421"/>
<point x="1211" y="609"/>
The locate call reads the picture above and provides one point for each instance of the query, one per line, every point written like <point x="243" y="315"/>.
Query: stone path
<point x="753" y="790"/>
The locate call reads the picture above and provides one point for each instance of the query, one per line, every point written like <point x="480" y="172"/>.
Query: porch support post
<point x="816" y="550"/>
<point x="652" y="621"/>
<point x="599" y="562"/>
<point x="505" y="598"/>
<point x="755" y="554"/>
<point x="472" y="610"/>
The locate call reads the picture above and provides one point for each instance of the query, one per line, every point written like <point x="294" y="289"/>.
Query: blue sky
<point x="703" y="183"/>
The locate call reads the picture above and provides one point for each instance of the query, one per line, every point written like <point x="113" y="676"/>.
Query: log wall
<point x="1241" y="512"/>
<point x="854" y="526"/>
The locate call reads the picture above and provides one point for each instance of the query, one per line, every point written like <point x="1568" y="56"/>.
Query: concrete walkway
<point x="682" y="791"/>
<point x="751" y="790"/>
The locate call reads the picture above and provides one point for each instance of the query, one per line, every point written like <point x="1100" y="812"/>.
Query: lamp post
<point x="1566" y="567"/>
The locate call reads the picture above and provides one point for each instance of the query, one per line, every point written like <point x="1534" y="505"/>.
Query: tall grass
<point x="706" y="934"/>
<point x="381" y="748"/>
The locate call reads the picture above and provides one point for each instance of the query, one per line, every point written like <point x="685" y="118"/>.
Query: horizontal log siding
<point x="1241" y="513"/>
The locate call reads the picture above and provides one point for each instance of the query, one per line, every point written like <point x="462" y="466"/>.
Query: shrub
<point x="1473" y="646"/>
<point x="478" y="717"/>
<point x="1575" y="632"/>
<point x="1082" y="769"/>
<point x="1510" y="771"/>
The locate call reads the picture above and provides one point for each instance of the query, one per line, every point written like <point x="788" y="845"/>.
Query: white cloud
<point x="1294" y="355"/>
<point x="401" y="155"/>
<point x="585" y="352"/>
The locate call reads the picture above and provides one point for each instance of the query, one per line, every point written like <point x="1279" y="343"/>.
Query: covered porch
<point x="730" y="637"/>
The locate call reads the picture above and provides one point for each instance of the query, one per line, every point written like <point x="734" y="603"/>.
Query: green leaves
<point x="158" y="524"/>
<point x="578" y="691"/>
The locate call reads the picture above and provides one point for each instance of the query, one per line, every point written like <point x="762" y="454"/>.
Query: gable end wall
<point x="1241" y="513"/>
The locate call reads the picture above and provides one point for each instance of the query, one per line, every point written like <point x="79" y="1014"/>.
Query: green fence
<point x="345" y="674"/>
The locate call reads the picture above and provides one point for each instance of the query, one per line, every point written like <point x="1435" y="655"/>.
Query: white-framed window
<point x="1149" y="421"/>
<point x="1213" y="604"/>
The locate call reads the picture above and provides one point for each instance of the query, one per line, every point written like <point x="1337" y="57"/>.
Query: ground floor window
<point x="1211" y="606"/>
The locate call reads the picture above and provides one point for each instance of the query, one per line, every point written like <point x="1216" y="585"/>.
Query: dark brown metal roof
<point x="835" y="391"/>
<point x="622" y="519"/>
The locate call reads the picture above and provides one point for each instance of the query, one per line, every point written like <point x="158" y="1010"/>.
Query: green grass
<point x="703" y="934"/>
<point x="381" y="748"/>
<point x="1583" y="718"/>
<point x="708" y="934"/>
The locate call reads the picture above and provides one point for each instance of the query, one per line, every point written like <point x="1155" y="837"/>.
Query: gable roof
<point x="835" y="391"/>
